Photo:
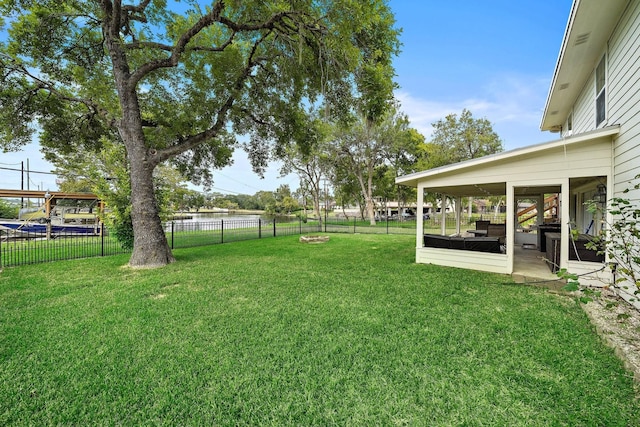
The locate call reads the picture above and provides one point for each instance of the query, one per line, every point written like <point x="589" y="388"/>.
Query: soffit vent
<point x="563" y="86"/>
<point x="581" y="39"/>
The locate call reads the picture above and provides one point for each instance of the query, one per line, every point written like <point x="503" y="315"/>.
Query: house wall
<point x="584" y="109"/>
<point x="623" y="101"/>
<point x="624" y="96"/>
<point x="494" y="263"/>
<point x="624" y="105"/>
<point x="591" y="273"/>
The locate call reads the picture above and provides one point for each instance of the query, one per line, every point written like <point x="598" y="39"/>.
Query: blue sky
<point x="493" y="57"/>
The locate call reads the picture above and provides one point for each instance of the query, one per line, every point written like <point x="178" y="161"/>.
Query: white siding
<point x="624" y="99"/>
<point x="481" y="261"/>
<point x="591" y="158"/>
<point x="624" y="58"/>
<point x="584" y="110"/>
<point x="591" y="273"/>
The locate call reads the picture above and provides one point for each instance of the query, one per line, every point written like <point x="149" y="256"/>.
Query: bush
<point x="8" y="210"/>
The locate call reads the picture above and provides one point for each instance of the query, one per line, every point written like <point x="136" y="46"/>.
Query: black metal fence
<point x="38" y="246"/>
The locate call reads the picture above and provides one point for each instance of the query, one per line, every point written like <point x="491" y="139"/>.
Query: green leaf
<point x="571" y="287"/>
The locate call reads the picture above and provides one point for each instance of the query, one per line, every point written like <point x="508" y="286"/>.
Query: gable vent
<point x="582" y="38"/>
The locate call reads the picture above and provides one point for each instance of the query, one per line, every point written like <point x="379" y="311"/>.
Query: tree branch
<point x="170" y="48"/>
<point x="206" y="21"/>
<point x="179" y="48"/>
<point x="190" y="142"/>
<point x="41" y="84"/>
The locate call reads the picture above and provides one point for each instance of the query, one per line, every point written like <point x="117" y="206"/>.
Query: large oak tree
<point x="177" y="81"/>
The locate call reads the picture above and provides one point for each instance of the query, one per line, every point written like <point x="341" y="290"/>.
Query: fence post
<point x="259" y="228"/>
<point x="274" y="227"/>
<point x="101" y="238"/>
<point x="300" y="218"/>
<point x="222" y="231"/>
<point x="387" y="224"/>
<point x="172" y="234"/>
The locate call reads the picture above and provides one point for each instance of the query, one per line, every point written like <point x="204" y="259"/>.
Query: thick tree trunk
<point x="150" y="246"/>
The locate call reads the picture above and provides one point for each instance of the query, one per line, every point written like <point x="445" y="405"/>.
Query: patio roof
<point x="474" y="177"/>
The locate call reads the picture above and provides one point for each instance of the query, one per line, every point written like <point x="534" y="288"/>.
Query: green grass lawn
<point x="276" y="332"/>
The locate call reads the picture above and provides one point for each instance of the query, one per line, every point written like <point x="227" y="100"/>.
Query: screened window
<point x="601" y="106"/>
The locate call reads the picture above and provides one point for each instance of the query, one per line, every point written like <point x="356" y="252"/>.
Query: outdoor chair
<point x="497" y="230"/>
<point x="482" y="225"/>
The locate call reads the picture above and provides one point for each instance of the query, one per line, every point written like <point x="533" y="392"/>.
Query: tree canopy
<point x="455" y="139"/>
<point x="179" y="81"/>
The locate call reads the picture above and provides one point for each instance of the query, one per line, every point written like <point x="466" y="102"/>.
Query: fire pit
<point x="314" y="239"/>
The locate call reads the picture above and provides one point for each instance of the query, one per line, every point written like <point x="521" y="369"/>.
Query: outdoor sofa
<point x="479" y="244"/>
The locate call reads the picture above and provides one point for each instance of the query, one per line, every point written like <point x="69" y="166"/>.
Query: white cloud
<point x="512" y="103"/>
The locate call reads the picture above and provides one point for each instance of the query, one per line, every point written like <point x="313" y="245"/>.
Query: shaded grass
<point x="350" y="332"/>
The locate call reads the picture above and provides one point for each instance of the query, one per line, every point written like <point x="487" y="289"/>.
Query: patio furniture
<point x="552" y="249"/>
<point x="497" y="230"/>
<point x="479" y="244"/>
<point x="542" y="230"/>
<point x="482" y="225"/>
<point x="579" y="252"/>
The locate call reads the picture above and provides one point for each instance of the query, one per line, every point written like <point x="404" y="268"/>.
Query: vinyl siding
<point x="494" y="263"/>
<point x="591" y="158"/>
<point x="584" y="110"/>
<point x="624" y="97"/>
<point x="624" y="103"/>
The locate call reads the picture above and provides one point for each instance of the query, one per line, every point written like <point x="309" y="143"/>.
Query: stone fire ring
<point x="314" y="239"/>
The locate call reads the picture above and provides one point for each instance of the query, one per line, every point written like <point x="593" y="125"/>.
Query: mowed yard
<point x="277" y="332"/>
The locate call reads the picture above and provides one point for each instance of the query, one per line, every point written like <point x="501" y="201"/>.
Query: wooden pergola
<point x="50" y="197"/>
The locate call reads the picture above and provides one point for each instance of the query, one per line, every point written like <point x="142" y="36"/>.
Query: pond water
<point x="209" y="217"/>
<point x="218" y="221"/>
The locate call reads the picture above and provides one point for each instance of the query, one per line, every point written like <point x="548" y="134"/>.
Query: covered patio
<point x="574" y="170"/>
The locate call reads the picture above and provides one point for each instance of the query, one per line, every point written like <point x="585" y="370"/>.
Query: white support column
<point x="443" y="215"/>
<point x="458" y="214"/>
<point x="563" y="212"/>
<point x="608" y="216"/>
<point x="419" y="218"/>
<point x="510" y="239"/>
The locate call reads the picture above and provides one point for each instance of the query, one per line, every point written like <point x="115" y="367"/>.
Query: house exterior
<point x="593" y="109"/>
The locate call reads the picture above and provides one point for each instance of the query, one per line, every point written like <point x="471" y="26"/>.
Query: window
<point x="601" y="107"/>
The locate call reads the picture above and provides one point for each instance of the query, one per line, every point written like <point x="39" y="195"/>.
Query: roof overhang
<point x="498" y="188"/>
<point x="590" y="25"/>
<point x="40" y="194"/>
